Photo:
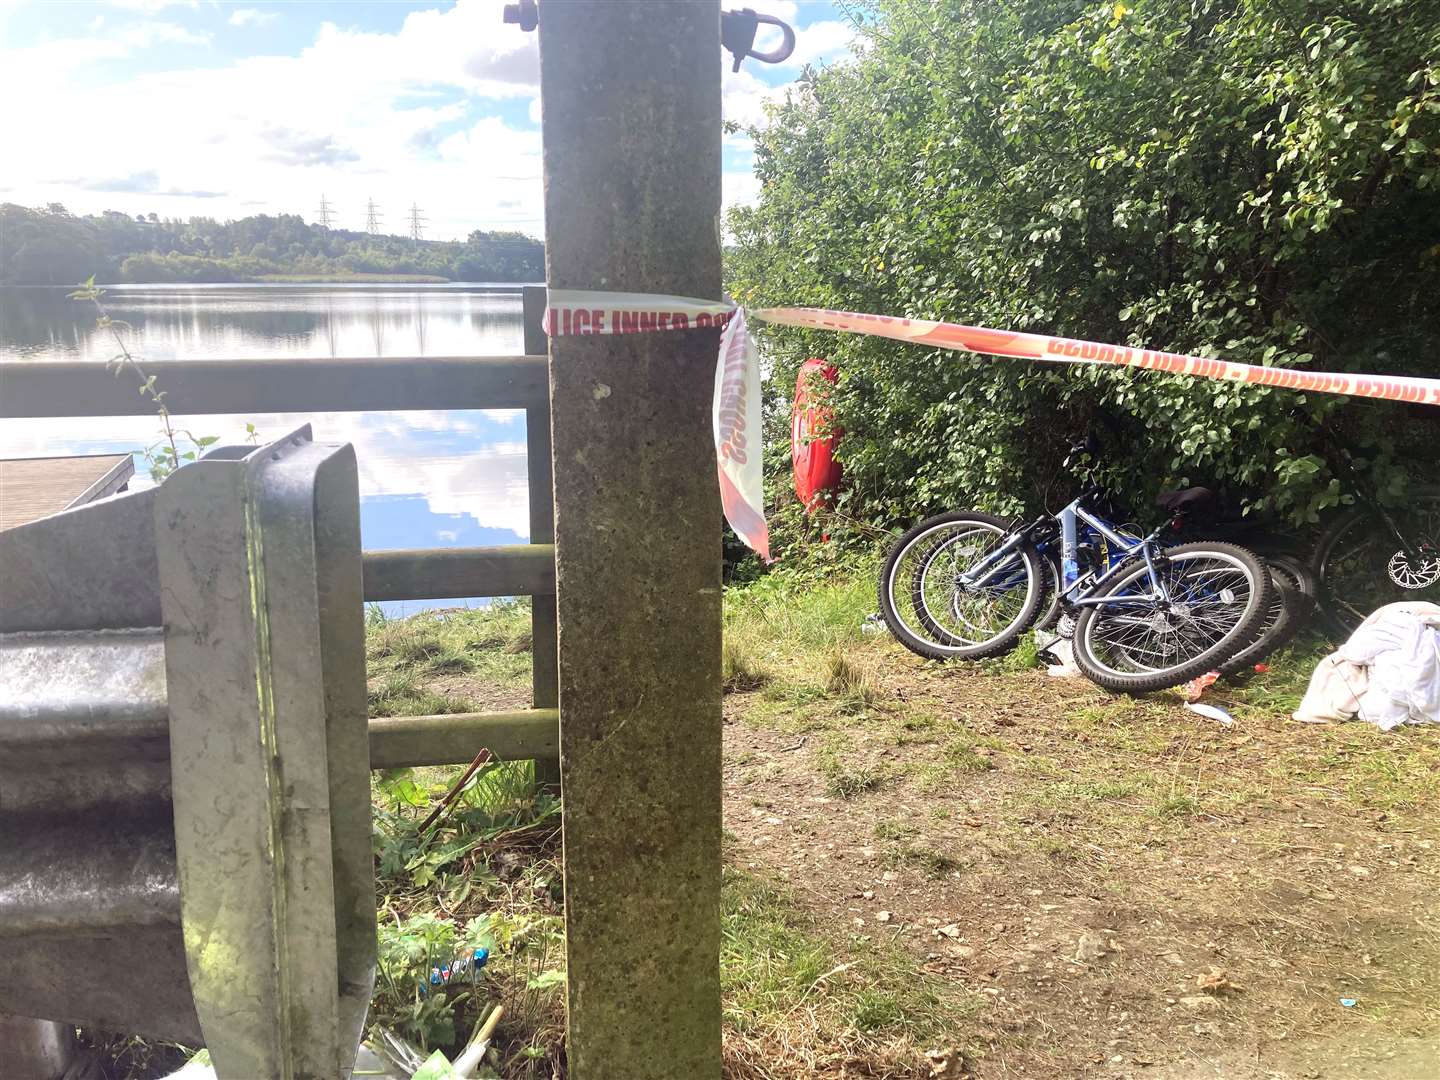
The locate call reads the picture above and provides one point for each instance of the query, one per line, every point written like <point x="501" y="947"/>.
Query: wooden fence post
<point x="631" y="92"/>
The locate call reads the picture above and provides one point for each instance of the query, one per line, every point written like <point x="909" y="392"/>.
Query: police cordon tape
<point x="736" y="410"/>
<point x="1023" y="346"/>
<point x="737" y="374"/>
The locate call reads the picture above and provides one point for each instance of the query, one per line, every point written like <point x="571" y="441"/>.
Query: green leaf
<point x="546" y="980"/>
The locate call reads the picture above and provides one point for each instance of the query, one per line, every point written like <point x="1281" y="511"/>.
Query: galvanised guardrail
<point x="243" y="386"/>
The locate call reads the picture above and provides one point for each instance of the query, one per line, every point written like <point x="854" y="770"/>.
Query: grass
<point x="796" y="994"/>
<point x="957" y="757"/>
<point x="738" y="670"/>
<point x="802" y="645"/>
<point x="407" y="659"/>
<point x="486" y="874"/>
<point x="1073" y="776"/>
<point x="1117" y="770"/>
<point x="400" y="694"/>
<point x="797" y="999"/>
<point x="845" y="776"/>
<point x="931" y="861"/>
<point x="783" y="622"/>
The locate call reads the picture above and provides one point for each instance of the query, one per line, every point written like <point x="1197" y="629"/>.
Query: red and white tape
<point x="736" y="409"/>
<point x="581" y="312"/>
<point x="978" y="339"/>
<point x="737" y="372"/>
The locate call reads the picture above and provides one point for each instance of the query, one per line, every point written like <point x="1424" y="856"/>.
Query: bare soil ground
<point x="1133" y="890"/>
<point x="1028" y="876"/>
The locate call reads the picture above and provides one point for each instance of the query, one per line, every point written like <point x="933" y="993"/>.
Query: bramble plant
<point x="407" y="949"/>
<point x="1252" y="179"/>
<point x="165" y="456"/>
<point x="456" y="884"/>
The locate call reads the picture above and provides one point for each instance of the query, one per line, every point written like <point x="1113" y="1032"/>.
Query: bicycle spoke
<point x="934" y="604"/>
<point x="1208" y="598"/>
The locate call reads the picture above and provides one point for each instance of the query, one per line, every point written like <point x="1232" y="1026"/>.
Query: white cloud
<point x="739" y="189"/>
<point x="252" y="17"/>
<point x="785" y="10"/>
<point x="488" y="480"/>
<point x="826" y="42"/>
<point x="745" y="93"/>
<point x="144" y="35"/>
<point x="397" y="116"/>
<point x="48" y="66"/>
<point x="152" y="5"/>
<point x="356" y="115"/>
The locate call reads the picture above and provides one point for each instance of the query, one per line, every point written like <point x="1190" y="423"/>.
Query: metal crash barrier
<point x="184" y="767"/>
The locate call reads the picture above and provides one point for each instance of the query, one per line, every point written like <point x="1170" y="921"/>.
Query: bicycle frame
<point x="1363" y="497"/>
<point x="1070" y="519"/>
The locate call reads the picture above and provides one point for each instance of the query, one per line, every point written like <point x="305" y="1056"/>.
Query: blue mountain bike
<point x="967" y="585"/>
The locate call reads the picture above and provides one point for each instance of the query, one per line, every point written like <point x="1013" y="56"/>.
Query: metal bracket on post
<point x="737" y="34"/>
<point x="202" y="640"/>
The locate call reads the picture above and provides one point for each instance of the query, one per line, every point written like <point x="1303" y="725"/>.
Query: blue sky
<point x="197" y="107"/>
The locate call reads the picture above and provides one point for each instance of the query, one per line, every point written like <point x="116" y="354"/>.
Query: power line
<point x="372" y="218"/>
<point x="327" y="213"/>
<point x="417" y="223"/>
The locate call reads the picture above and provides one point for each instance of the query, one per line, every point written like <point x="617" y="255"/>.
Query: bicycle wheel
<point x="932" y="614"/>
<point x="1363" y="566"/>
<point x="1219" y="593"/>
<point x="1291" y="604"/>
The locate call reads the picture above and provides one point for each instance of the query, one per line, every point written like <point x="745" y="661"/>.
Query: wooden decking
<point x="32" y="488"/>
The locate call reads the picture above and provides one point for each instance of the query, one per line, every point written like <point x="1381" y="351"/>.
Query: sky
<point x="203" y="108"/>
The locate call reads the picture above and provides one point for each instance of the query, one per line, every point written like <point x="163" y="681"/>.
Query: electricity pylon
<point x="327" y="213"/>
<point x="417" y="223"/>
<point x="372" y="218"/>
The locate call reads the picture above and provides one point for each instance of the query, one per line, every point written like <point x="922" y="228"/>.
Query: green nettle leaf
<point x="546" y="980"/>
<point x="1179" y="175"/>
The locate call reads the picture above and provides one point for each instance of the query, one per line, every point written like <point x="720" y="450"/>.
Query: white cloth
<point x="1387" y="673"/>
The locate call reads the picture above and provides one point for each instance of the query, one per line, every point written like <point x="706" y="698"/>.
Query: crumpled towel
<point x="1387" y="673"/>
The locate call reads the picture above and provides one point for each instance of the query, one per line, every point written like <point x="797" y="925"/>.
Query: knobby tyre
<point x="1220" y="594"/>
<point x="1292" y="602"/>
<point x="1049" y="616"/>
<point x="933" y="616"/>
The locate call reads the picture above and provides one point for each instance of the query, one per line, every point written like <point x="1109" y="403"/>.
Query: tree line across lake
<point x="51" y="246"/>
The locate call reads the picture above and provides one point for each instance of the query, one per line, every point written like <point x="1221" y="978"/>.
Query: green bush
<point x="1254" y="179"/>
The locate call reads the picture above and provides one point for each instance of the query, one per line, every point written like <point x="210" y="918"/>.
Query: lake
<point x="427" y="479"/>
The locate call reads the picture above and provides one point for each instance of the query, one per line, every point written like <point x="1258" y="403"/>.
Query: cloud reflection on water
<point x="427" y="479"/>
<point x="466" y="464"/>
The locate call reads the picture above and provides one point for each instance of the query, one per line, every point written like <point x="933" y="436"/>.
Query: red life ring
<point x="814" y="436"/>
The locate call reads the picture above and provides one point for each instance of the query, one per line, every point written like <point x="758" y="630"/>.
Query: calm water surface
<point x="427" y="479"/>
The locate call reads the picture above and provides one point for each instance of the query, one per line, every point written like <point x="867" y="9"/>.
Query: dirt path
<point x="1088" y="864"/>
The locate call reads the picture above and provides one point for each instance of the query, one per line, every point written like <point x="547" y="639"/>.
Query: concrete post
<point x="631" y="92"/>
